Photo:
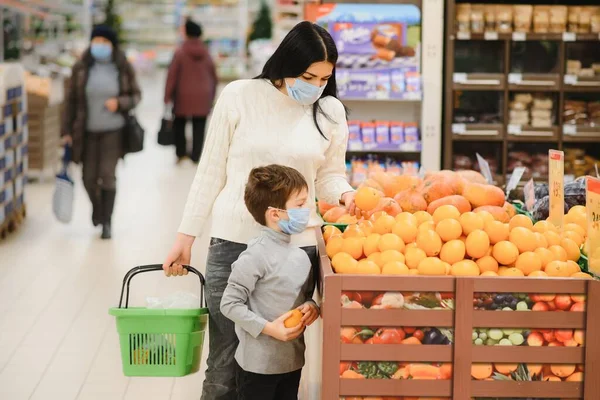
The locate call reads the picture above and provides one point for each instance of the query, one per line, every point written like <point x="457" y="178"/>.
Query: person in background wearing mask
<point x="289" y="115"/>
<point x="103" y="90"/>
<point x="191" y="88"/>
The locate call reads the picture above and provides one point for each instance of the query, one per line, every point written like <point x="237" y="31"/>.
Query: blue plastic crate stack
<point x="14" y="135"/>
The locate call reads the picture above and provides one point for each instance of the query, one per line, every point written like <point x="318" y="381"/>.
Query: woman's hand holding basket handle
<point x="179" y="255"/>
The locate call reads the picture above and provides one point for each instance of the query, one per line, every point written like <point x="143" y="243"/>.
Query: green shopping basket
<point x="159" y="342"/>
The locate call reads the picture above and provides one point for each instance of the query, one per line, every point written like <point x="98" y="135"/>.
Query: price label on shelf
<point x="459" y="129"/>
<point x="484" y="167"/>
<point x="592" y="206"/>
<point x="519" y="36"/>
<point x="514" y="129"/>
<point x="529" y="194"/>
<point x="463" y="35"/>
<point x="570" y="130"/>
<point x="515" y="178"/>
<point x="570" y="79"/>
<point x="490" y="35"/>
<point x="459" y="77"/>
<point x="514" y="78"/>
<point x="569" y="36"/>
<point x="557" y="187"/>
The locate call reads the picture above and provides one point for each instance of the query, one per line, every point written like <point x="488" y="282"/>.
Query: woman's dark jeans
<point x="220" y="379"/>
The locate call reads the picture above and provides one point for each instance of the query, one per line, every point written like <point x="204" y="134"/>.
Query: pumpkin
<point x="411" y="201"/>
<point x="483" y="195"/>
<point x="472" y="176"/>
<point x="452" y="178"/>
<point x="499" y="213"/>
<point x="436" y="188"/>
<point x="397" y="184"/>
<point x="457" y="201"/>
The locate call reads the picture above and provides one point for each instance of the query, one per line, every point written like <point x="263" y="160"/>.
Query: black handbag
<point x="133" y="136"/>
<point x="166" y="136"/>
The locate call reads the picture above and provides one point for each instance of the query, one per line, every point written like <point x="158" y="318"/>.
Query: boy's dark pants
<point x="252" y="386"/>
<point x="220" y="380"/>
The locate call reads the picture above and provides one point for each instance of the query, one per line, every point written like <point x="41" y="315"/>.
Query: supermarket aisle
<point x="57" y="282"/>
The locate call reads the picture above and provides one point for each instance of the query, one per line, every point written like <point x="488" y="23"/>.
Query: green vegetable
<point x="389" y="368"/>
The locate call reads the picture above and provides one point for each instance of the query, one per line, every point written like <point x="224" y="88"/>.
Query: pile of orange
<point x="449" y="242"/>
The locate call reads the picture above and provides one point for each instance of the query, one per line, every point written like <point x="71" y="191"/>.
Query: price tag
<point x="529" y="193"/>
<point x="570" y="130"/>
<point x="569" y="179"/>
<point x="484" y="167"/>
<point x="519" y="36"/>
<point x="515" y="178"/>
<point x="459" y="77"/>
<point x="422" y="172"/>
<point x="557" y="190"/>
<point x="463" y="35"/>
<point x="490" y="35"/>
<point x="459" y="129"/>
<point x="570" y="79"/>
<point x="592" y="206"/>
<point x="515" y="78"/>
<point x="569" y="37"/>
<point x="514" y="129"/>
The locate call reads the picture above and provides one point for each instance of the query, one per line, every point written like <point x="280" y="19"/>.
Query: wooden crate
<point x="462" y="353"/>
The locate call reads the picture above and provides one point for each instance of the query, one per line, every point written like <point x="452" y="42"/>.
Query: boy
<point x="268" y="280"/>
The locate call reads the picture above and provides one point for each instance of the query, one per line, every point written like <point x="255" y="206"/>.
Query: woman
<point x="289" y="115"/>
<point x="102" y="92"/>
<point x="191" y="87"/>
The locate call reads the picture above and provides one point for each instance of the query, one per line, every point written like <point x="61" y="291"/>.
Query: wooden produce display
<point x="445" y="371"/>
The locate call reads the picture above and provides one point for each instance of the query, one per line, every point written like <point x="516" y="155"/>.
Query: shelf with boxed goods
<point x="383" y="136"/>
<point x="13" y="147"/>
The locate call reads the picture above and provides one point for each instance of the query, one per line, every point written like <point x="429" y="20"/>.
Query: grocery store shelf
<point x="526" y="354"/>
<point x="537" y="82"/>
<point x="518" y="133"/>
<point x="530" y="36"/>
<point x="479" y="132"/>
<point x="409" y="98"/>
<point x="408" y="148"/>
<point x="581" y="134"/>
<point x="573" y="83"/>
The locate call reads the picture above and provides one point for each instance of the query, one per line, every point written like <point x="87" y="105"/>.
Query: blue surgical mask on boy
<point x="101" y="51"/>
<point x="296" y="222"/>
<point x="304" y="92"/>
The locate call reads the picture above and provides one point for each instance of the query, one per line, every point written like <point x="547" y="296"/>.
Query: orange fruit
<point x="557" y="269"/>
<point x="422" y="216"/>
<point x="329" y="231"/>
<point x="489" y="273"/>
<point x="577" y="215"/>
<point x="426" y="226"/>
<point x="353" y="231"/>
<point x="407" y="217"/>
<point x="574" y="236"/>
<point x="376" y="215"/>
<point x="445" y="212"/>
<point x="453" y="251"/>
<point x="367" y="267"/>
<point x="478" y="244"/>
<point x="540" y="240"/>
<point x="560" y="254"/>
<point x="376" y="258"/>
<point x="581" y="275"/>
<point x="334" y="245"/>
<point x="391" y="255"/>
<point x="412" y="245"/>
<point x="575" y="228"/>
<point x="523" y="238"/>
<point x="367" y="198"/>
<point x="542" y="226"/>
<point x="414" y="256"/>
<point x="471" y="221"/>
<point x="431" y="266"/>
<point x="573" y="267"/>
<point x="552" y="238"/>
<point x="486" y="216"/>
<point x="449" y="229"/>
<point x="384" y="224"/>
<point x="497" y="231"/>
<point x="505" y="252"/>
<point x="545" y="256"/>
<point x="353" y="246"/>
<point x="512" y="271"/>
<point x="371" y="244"/>
<point x="465" y="268"/>
<point x="343" y="263"/>
<point x="347" y="219"/>
<point x="571" y="248"/>
<point x="293" y="320"/>
<point x="405" y="230"/>
<point x="520" y="221"/>
<point x="528" y="262"/>
<point x="413" y="272"/>
<point x="487" y="263"/>
<point x="430" y="242"/>
<point x="538" y="274"/>
<point x="366" y="226"/>
<point x="394" y="268"/>
<point x="389" y="241"/>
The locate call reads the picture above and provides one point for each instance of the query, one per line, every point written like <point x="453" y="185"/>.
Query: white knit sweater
<point x="253" y="124"/>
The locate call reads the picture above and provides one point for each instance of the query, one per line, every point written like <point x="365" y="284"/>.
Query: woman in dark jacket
<point x="191" y="87"/>
<point x="102" y="92"/>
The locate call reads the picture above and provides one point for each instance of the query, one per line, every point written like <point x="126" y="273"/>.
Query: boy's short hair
<point x="271" y="186"/>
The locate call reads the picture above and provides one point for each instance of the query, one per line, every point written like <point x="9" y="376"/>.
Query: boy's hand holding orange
<point x="279" y="330"/>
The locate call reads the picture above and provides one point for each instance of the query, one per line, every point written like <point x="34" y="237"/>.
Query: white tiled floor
<point x="57" y="341"/>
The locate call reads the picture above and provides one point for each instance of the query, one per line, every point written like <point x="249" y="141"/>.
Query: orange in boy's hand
<point x="293" y="320"/>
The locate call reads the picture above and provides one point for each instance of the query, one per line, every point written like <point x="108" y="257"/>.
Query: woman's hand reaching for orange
<point x="348" y="201"/>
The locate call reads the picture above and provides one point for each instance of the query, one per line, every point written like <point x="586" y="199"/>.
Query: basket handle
<point x="154" y="267"/>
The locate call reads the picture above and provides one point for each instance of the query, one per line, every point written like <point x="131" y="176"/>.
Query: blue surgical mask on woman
<point x="304" y="93"/>
<point x="101" y="51"/>
<point x="296" y="222"/>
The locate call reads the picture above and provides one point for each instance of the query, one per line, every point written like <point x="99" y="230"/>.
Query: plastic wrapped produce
<point x="541" y="190"/>
<point x="541" y="209"/>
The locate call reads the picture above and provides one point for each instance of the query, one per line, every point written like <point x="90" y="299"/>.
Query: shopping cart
<point x="160" y="342"/>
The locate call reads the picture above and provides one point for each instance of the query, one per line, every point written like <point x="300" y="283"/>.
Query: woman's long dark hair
<point x="304" y="45"/>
